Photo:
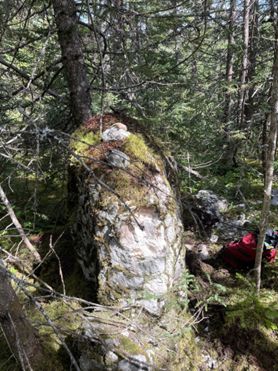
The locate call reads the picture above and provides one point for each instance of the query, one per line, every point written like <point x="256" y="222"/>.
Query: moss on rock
<point x="127" y="185"/>
<point x="136" y="147"/>
<point x="128" y="346"/>
<point x="82" y="140"/>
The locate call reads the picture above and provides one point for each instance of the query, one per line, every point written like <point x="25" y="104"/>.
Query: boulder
<point x="197" y="266"/>
<point x="210" y="207"/>
<point x="114" y="133"/>
<point x="128" y="225"/>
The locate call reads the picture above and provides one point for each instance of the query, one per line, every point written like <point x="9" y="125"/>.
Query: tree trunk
<point x="269" y="162"/>
<point x="265" y="130"/>
<point x="245" y="62"/>
<point x="228" y="158"/>
<point x="21" y="336"/>
<point x="230" y="61"/>
<point x="253" y="52"/>
<point x="73" y="60"/>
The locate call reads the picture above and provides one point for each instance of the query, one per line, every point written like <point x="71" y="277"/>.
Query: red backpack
<point x="242" y="253"/>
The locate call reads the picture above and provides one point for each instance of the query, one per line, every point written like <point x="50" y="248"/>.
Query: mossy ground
<point x="166" y="342"/>
<point x="244" y="343"/>
<point x="63" y="315"/>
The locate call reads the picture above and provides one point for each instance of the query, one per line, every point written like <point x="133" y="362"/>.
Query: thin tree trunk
<point x="253" y="52"/>
<point x="265" y="130"/>
<point x="22" y="338"/>
<point x="73" y="60"/>
<point x="228" y="158"/>
<point x="245" y="62"/>
<point x="230" y="61"/>
<point x="272" y="142"/>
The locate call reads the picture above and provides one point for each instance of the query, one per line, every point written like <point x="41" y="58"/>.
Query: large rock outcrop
<point x="127" y="222"/>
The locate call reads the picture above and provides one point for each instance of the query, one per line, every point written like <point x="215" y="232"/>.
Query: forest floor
<point x="239" y="330"/>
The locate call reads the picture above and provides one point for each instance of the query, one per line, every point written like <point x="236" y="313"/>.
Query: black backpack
<point x="271" y="239"/>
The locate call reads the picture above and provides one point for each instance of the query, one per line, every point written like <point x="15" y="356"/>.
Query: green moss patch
<point x="63" y="315"/>
<point x="129" y="346"/>
<point x="137" y="149"/>
<point x="187" y="355"/>
<point x="133" y="183"/>
<point x="82" y="140"/>
<point x="127" y="186"/>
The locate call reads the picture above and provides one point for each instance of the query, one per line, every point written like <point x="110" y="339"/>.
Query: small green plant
<point x="189" y="287"/>
<point x="253" y="311"/>
<point x="178" y="298"/>
<point x="249" y="310"/>
<point x="214" y="295"/>
<point x="186" y="284"/>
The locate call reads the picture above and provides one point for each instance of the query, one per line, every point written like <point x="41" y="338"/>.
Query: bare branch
<point x="26" y="76"/>
<point x="18" y="226"/>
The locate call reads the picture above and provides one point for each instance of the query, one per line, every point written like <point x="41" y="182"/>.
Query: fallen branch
<point x="18" y="226"/>
<point x="191" y="171"/>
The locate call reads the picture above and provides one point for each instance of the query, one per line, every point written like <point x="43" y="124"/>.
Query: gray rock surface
<point x="202" y="250"/>
<point x="131" y="255"/>
<point x="136" y="363"/>
<point x="210" y="362"/>
<point x="118" y="159"/>
<point x="114" y="133"/>
<point x="232" y="229"/>
<point x="110" y="358"/>
<point x="210" y="207"/>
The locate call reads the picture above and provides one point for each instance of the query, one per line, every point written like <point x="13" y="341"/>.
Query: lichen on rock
<point x="128" y="227"/>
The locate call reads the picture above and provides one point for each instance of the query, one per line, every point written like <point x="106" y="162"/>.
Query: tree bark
<point x="228" y="158"/>
<point x="265" y="130"/>
<point x="253" y="53"/>
<point x="22" y="338"/>
<point x="245" y="62"/>
<point x="65" y="13"/>
<point x="230" y="61"/>
<point x="272" y="142"/>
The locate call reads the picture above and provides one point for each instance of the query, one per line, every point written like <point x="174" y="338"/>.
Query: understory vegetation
<point x="192" y="88"/>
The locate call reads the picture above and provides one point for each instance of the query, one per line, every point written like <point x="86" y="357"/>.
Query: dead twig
<point x="18" y="226"/>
